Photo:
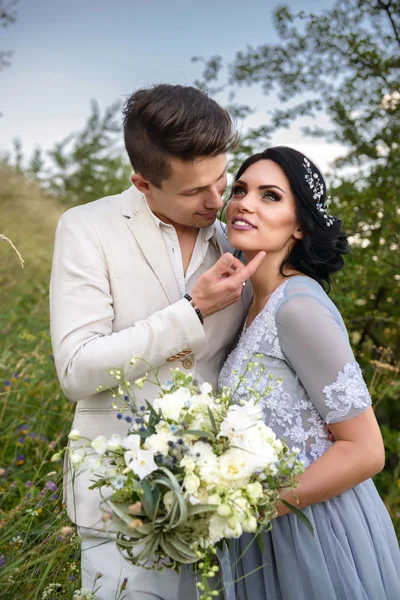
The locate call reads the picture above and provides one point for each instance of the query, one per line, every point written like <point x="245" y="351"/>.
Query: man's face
<point x="191" y="196"/>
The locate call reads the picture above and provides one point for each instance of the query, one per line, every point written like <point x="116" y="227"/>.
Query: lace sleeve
<point x="316" y="346"/>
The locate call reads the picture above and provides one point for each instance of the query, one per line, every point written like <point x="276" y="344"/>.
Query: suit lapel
<point x="151" y="242"/>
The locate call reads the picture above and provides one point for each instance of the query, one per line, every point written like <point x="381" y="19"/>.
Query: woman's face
<point x="261" y="213"/>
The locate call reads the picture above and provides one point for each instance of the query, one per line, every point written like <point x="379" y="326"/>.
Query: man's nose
<point x="214" y="199"/>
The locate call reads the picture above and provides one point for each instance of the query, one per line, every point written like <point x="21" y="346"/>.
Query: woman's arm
<point x="357" y="454"/>
<point x="316" y="346"/>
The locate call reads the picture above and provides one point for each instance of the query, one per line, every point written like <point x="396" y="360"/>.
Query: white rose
<point x="234" y="467"/>
<point x="171" y="404"/>
<point x="191" y="483"/>
<point x="74" y="434"/>
<point x="99" y="444"/>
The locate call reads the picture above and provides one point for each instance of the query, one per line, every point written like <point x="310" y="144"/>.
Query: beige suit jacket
<point x="113" y="295"/>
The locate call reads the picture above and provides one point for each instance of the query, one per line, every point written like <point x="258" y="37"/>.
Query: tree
<point x="344" y="63"/>
<point x="88" y="164"/>
<point x="7" y="16"/>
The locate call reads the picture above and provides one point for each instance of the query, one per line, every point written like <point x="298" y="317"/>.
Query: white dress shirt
<point x="199" y="254"/>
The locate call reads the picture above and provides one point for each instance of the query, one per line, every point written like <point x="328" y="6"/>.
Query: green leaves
<point x="300" y="515"/>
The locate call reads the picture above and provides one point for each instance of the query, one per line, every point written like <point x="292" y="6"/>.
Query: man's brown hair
<point x="173" y="121"/>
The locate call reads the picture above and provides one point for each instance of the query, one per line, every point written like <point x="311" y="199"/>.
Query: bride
<point x="279" y="204"/>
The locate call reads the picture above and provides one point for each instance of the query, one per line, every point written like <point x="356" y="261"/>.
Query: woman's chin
<point x="238" y="242"/>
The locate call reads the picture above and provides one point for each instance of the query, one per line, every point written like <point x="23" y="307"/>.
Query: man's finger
<point x="251" y="267"/>
<point x="225" y="265"/>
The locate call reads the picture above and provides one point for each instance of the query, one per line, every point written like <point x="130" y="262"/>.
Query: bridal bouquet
<point x="195" y="469"/>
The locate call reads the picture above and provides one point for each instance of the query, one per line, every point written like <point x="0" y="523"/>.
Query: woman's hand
<point x="357" y="454"/>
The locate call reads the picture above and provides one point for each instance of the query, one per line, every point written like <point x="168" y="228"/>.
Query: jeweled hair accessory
<point x="317" y="187"/>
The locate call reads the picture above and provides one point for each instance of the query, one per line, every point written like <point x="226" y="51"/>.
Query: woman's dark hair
<point x="173" y="121"/>
<point x="319" y="253"/>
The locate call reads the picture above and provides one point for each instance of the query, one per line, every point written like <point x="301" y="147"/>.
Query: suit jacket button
<point x="187" y="363"/>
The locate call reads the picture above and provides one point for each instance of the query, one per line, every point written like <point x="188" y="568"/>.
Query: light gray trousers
<point x="100" y="554"/>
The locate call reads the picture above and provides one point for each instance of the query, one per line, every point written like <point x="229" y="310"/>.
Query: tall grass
<point x="35" y="417"/>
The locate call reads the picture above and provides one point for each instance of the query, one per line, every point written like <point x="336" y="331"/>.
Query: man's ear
<point x="298" y="234"/>
<point x="140" y="183"/>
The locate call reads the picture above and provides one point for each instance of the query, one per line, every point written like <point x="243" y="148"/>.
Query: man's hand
<point x="222" y="285"/>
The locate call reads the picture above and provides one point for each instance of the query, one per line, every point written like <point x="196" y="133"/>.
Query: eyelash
<point x="272" y="195"/>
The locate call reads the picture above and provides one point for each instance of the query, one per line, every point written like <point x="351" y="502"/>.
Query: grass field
<point x="38" y="547"/>
<point x="35" y="550"/>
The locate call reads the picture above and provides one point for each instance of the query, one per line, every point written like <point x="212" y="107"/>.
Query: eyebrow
<point x="203" y="187"/>
<point x="260" y="187"/>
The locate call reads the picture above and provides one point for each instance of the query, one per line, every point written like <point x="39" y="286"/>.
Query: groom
<point x="144" y="273"/>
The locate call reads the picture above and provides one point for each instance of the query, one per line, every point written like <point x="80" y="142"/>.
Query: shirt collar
<point x="209" y="233"/>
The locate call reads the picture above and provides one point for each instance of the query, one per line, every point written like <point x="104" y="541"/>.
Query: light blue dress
<point x="354" y="554"/>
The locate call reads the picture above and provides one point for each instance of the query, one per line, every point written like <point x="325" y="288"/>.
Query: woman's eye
<point x="238" y="191"/>
<point x="271" y="196"/>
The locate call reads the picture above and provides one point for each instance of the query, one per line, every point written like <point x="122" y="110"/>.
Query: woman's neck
<point x="267" y="279"/>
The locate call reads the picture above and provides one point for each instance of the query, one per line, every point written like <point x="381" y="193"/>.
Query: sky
<point x="67" y="53"/>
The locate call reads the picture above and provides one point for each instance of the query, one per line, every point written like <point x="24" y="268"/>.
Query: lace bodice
<point x="305" y="359"/>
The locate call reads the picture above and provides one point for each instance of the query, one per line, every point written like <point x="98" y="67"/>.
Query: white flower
<point x="224" y="510"/>
<point x="172" y="404"/>
<point x="249" y="524"/>
<point x="214" y="499"/>
<point x="158" y="442"/>
<point x="76" y="457"/>
<point x="141" y="462"/>
<point x="217" y="527"/>
<point x="239" y="419"/>
<point x="233" y="532"/>
<point x="206" y="388"/>
<point x="141" y="381"/>
<point x="191" y="483"/>
<point x="114" y="442"/>
<point x="254" y="491"/>
<point x="131" y="442"/>
<point x="234" y="467"/>
<point x="188" y="464"/>
<point x="99" y="444"/>
<point x="74" y="434"/>
<point x="95" y="464"/>
<point x="202" y="453"/>
<point x="83" y="594"/>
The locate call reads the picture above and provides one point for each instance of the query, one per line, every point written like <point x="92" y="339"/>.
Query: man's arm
<point x="81" y="317"/>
